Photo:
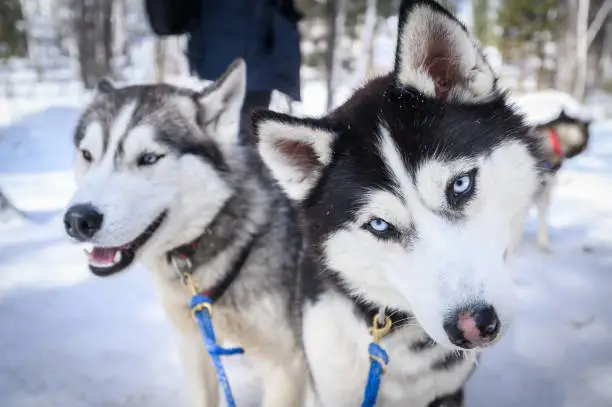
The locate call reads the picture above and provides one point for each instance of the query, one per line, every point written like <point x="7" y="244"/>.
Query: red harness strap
<point x="553" y="137"/>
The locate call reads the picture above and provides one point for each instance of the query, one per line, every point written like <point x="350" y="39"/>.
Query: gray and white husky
<point x="412" y="194"/>
<point x="163" y="180"/>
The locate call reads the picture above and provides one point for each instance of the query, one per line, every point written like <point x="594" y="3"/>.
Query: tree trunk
<point x="93" y="28"/>
<point x="606" y="58"/>
<point x="582" y="48"/>
<point x="160" y="59"/>
<point x="336" y="16"/>
<point x="120" y="40"/>
<point x="364" y="61"/>
<point x="566" y="46"/>
<point x="586" y="34"/>
<point x="106" y="27"/>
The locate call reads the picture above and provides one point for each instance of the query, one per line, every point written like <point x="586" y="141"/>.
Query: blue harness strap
<point x="378" y="364"/>
<point x="201" y="307"/>
<point x="378" y="361"/>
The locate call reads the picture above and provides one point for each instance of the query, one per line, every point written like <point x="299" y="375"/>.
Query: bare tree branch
<point x="598" y="21"/>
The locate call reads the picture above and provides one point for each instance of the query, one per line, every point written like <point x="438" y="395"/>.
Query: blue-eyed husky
<point x="411" y="194"/>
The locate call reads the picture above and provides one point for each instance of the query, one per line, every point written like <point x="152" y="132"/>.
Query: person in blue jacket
<point x="263" y="32"/>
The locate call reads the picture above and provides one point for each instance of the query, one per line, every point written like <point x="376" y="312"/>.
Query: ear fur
<point x="295" y="150"/>
<point x="105" y="86"/>
<point x="222" y="101"/>
<point x="437" y="56"/>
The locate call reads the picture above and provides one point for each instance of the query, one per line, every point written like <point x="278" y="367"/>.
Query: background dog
<point x="561" y="137"/>
<point x="162" y="179"/>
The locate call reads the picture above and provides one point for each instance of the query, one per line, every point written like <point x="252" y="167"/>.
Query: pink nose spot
<point x="467" y="325"/>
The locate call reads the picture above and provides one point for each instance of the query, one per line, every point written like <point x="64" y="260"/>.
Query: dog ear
<point x="295" y="150"/>
<point x="437" y="56"/>
<point x="222" y="101"/>
<point x="105" y="86"/>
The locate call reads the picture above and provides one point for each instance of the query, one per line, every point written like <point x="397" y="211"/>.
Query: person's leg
<point x="253" y="100"/>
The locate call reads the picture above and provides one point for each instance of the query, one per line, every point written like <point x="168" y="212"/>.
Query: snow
<point x="70" y="339"/>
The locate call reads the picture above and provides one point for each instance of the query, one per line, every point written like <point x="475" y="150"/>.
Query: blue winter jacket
<point x="263" y="32"/>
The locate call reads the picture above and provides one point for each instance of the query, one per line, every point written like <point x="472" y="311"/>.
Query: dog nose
<point x="472" y="327"/>
<point x="82" y="221"/>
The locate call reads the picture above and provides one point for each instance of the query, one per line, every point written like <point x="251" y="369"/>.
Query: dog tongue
<point x="103" y="255"/>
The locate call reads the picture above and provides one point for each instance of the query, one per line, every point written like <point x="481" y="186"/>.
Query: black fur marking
<point x="186" y="144"/>
<point x="151" y="107"/>
<point x="450" y="360"/>
<point x="422" y="128"/>
<point x="452" y="400"/>
<point x="423" y="345"/>
<point x="105" y="85"/>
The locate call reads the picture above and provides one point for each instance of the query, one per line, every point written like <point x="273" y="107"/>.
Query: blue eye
<point x="462" y="185"/>
<point x="149" y="159"/>
<point x="461" y="188"/>
<point x="381" y="229"/>
<point x="378" y="225"/>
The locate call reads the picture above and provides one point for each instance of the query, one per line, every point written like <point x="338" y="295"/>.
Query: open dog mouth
<point x="104" y="261"/>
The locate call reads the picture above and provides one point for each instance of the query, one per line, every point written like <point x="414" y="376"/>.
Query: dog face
<point x="151" y="167"/>
<point x="411" y="190"/>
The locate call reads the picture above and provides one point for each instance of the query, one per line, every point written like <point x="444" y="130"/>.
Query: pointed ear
<point x="105" y="86"/>
<point x="222" y="101"/>
<point x="295" y="150"/>
<point x="437" y="56"/>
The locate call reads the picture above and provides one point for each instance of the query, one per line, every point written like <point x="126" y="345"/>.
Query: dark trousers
<point x="254" y="100"/>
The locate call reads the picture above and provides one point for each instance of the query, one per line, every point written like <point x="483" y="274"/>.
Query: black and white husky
<point x="412" y="194"/>
<point x="163" y="180"/>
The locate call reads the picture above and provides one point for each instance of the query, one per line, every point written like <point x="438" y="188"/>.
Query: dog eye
<point x="381" y="228"/>
<point x="86" y="156"/>
<point x="149" y="159"/>
<point x="462" y="185"/>
<point x="461" y="188"/>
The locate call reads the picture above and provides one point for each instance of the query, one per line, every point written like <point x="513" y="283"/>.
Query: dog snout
<point x="82" y="221"/>
<point x="474" y="326"/>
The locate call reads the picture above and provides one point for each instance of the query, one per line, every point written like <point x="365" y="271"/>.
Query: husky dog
<point x="411" y="194"/>
<point x="561" y="138"/>
<point x="163" y="180"/>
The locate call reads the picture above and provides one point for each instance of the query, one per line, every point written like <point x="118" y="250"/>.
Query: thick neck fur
<point x="240" y="218"/>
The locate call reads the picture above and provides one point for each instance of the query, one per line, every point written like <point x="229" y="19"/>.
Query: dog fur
<point x="376" y="185"/>
<point x="165" y="163"/>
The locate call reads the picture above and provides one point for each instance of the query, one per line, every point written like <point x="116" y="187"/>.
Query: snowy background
<point x="70" y="339"/>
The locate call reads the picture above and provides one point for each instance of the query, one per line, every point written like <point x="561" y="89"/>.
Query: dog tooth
<point x="117" y="256"/>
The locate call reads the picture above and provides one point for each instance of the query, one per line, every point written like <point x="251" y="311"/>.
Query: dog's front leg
<point x="284" y="382"/>
<point x="199" y="371"/>
<point x="543" y="205"/>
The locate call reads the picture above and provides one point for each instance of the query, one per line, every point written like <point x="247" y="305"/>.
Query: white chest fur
<point x="336" y="341"/>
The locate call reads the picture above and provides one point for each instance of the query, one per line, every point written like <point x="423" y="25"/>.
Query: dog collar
<point x="553" y="137"/>
<point x="182" y="259"/>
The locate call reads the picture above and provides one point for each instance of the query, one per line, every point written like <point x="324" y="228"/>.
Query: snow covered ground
<point x="70" y="339"/>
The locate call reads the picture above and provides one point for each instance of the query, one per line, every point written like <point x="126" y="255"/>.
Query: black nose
<point x="82" y="221"/>
<point x="472" y="326"/>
